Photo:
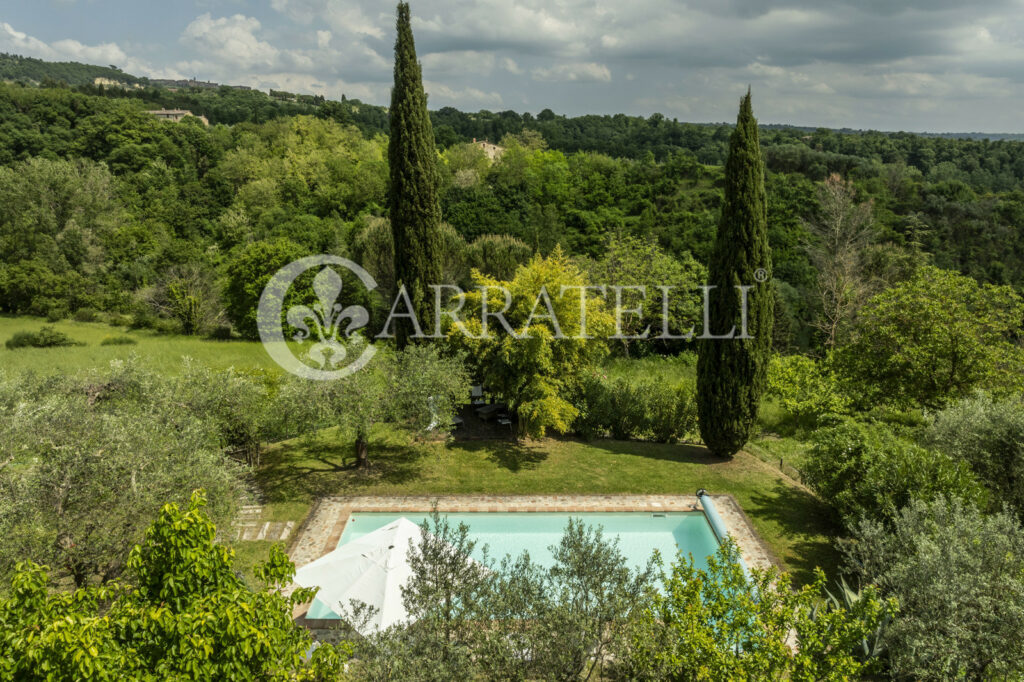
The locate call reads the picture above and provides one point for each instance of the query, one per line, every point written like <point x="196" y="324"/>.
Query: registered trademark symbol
<point x="761" y="275"/>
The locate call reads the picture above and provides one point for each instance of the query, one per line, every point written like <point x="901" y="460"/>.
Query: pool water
<point x="638" y="533"/>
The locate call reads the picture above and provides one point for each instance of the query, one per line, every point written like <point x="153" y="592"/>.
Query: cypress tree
<point x="731" y="373"/>
<point x="412" y="195"/>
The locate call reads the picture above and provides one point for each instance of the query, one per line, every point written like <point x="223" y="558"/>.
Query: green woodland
<point x="871" y="426"/>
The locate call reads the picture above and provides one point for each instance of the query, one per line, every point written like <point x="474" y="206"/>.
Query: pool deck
<point x="323" y="527"/>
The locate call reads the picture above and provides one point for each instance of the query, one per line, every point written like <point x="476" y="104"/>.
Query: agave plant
<point x="871" y="647"/>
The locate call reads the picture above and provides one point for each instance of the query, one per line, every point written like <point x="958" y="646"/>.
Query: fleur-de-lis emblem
<point x="327" y="316"/>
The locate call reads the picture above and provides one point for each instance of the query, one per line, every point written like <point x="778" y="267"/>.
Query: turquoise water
<point x="639" y="534"/>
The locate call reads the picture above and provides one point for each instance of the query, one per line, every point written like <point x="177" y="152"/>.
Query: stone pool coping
<point x="322" y="529"/>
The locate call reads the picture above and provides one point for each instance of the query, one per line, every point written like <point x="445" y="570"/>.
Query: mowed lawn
<point x="160" y="352"/>
<point x="794" y="524"/>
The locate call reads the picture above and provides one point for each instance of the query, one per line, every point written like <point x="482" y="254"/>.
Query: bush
<point x="221" y="333"/>
<point x="637" y="410"/>
<point x="46" y="337"/>
<point x="85" y="315"/>
<point x="865" y="470"/>
<point x="118" y="341"/>
<point x="959" y="578"/>
<point x="806" y="389"/>
<point x="989" y="435"/>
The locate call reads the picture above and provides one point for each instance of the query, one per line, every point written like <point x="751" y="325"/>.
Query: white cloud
<point x="67" y="49"/>
<point x="440" y="95"/>
<point x="458" y="62"/>
<point x="230" y="40"/>
<point x="323" y="39"/>
<point x="580" y="71"/>
<point x="510" y="65"/>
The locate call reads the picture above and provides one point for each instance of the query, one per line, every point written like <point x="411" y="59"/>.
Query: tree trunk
<point x="362" y="451"/>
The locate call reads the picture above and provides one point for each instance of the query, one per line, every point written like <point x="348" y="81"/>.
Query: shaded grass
<point x="793" y="523"/>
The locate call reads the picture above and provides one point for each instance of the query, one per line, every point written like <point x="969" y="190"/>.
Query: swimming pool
<point x="512" y="533"/>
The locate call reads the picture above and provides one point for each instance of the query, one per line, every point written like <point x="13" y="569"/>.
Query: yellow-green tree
<point x="551" y="331"/>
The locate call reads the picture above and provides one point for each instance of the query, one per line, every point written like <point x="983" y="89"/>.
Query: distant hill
<point x="616" y="135"/>
<point x="29" y="70"/>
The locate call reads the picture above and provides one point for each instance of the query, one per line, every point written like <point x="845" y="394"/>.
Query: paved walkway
<point x="322" y="530"/>
<point x="250" y="526"/>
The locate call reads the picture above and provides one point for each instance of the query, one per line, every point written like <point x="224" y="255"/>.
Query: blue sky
<point x="937" y="65"/>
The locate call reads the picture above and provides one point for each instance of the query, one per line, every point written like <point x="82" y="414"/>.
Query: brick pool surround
<point x="322" y="529"/>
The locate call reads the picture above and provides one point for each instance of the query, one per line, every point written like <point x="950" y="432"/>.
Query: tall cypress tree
<point x="731" y="373"/>
<point x="412" y="198"/>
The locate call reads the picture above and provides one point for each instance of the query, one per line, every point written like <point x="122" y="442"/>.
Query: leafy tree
<point x="866" y="470"/>
<point x="806" y="389"/>
<point x="558" y="622"/>
<point x="731" y="373"/>
<point x="536" y="363"/>
<point x="417" y="388"/>
<point x="498" y="255"/>
<point x="185" y="613"/>
<point x="85" y="463"/>
<point x="989" y="435"/>
<point x="935" y="338"/>
<point x="247" y="275"/>
<point x="718" y="624"/>
<point x="413" y="194"/>
<point x="629" y="262"/>
<point x="959" y="578"/>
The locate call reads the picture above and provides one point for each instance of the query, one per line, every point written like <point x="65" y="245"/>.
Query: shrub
<point x="989" y="435"/>
<point x="85" y="315"/>
<point x="637" y="410"/>
<point x="959" y="578"/>
<point x="118" y="341"/>
<point x="720" y="624"/>
<point x="46" y="337"/>
<point x="806" y="389"/>
<point x="221" y="333"/>
<point x="867" y="470"/>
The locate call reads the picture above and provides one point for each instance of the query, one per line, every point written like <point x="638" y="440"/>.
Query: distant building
<point x="110" y="82"/>
<point x="175" y="115"/>
<point x="185" y="84"/>
<point x="492" y="150"/>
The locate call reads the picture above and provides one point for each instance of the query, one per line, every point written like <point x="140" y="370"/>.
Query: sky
<point x="917" y="65"/>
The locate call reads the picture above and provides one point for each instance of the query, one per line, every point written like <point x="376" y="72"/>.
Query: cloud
<point x="582" y="72"/>
<point x="67" y="49"/>
<point x="230" y="40"/>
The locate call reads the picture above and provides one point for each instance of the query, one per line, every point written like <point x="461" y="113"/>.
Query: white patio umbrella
<point x="372" y="569"/>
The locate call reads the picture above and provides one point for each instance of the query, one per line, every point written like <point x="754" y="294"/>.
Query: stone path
<point x="326" y="521"/>
<point x="250" y="526"/>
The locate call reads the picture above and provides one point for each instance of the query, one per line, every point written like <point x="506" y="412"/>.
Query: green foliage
<point x="630" y="262"/>
<point x="806" y="389"/>
<point x="718" y="624"/>
<point x="959" y="578"/>
<point x="533" y="367"/>
<point x="989" y="435"/>
<point x="866" y="470"/>
<point x="731" y="373"/>
<point x="248" y="274"/>
<point x="46" y="337"/>
<point x="413" y="202"/>
<point x="88" y="460"/>
<point x="184" y="614"/>
<point x="647" y="409"/>
<point x="933" y="339"/>
<point x="417" y="388"/>
<point x="554" y="623"/>
<point x="498" y="255"/>
<point x="118" y="341"/>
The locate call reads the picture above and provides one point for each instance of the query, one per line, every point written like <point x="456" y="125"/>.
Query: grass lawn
<point x="792" y="522"/>
<point x="161" y="352"/>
